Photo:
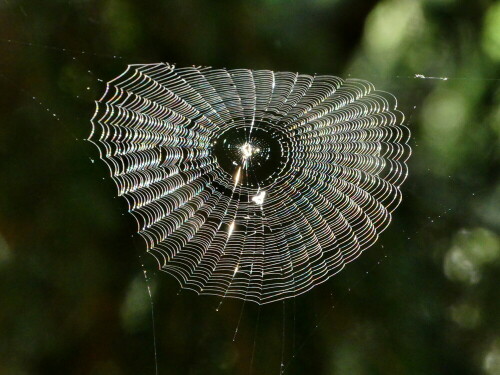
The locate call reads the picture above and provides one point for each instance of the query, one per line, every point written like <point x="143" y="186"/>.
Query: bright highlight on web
<point x="252" y="184"/>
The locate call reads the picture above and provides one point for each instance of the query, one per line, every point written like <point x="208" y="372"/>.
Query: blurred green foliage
<point x="73" y="296"/>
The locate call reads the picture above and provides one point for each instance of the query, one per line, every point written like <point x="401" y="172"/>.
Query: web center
<point x="260" y="154"/>
<point x="247" y="150"/>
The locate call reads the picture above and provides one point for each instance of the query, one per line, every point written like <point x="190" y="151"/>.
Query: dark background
<point x="73" y="297"/>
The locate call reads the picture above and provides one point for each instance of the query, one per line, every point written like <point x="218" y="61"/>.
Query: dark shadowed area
<point x="73" y="297"/>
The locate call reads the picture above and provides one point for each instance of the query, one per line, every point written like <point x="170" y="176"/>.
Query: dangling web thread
<point x="252" y="184"/>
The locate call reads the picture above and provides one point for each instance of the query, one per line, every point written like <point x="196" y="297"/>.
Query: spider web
<point x="293" y="344"/>
<point x="255" y="185"/>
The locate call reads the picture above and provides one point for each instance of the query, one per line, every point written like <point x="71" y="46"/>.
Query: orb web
<point x="252" y="184"/>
